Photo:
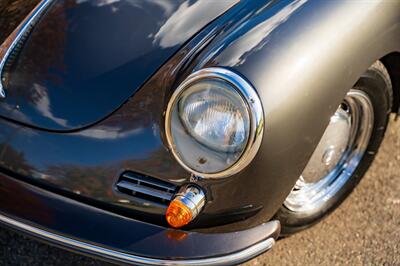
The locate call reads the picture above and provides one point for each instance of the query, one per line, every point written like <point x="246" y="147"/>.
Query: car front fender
<point x="302" y="57"/>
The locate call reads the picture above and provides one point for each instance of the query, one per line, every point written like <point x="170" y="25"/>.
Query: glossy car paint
<point x="83" y="59"/>
<point x="301" y="56"/>
<point x="88" y="162"/>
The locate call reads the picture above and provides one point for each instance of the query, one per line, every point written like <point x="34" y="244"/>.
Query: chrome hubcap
<point x="337" y="155"/>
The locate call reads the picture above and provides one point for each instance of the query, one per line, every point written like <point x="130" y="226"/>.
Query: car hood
<point x="85" y="58"/>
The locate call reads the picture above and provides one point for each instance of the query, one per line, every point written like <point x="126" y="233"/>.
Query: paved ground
<point x="365" y="230"/>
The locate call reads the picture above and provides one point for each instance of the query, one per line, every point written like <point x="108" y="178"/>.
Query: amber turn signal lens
<point x="186" y="205"/>
<point x="178" y="214"/>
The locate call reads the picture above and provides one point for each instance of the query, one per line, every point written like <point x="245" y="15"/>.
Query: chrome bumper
<point x="113" y="255"/>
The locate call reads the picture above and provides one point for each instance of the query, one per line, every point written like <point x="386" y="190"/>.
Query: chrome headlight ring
<point x="254" y="110"/>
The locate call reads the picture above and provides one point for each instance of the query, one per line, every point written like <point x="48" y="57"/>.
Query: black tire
<point x="376" y="83"/>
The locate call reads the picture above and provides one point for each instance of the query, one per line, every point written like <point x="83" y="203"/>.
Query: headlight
<point x="214" y="123"/>
<point x="215" y="115"/>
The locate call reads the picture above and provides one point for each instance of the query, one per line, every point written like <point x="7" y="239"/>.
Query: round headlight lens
<point x="214" y="123"/>
<point x="214" y="114"/>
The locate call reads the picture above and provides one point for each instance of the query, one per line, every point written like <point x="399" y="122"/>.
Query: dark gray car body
<point x="301" y="56"/>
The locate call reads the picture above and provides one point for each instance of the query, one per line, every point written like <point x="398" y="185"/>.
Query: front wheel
<point x="343" y="154"/>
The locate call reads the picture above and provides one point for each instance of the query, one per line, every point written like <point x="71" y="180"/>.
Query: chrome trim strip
<point x="254" y="107"/>
<point x="235" y="258"/>
<point x="8" y="46"/>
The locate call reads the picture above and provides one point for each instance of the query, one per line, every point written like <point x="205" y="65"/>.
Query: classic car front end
<point x="188" y="132"/>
